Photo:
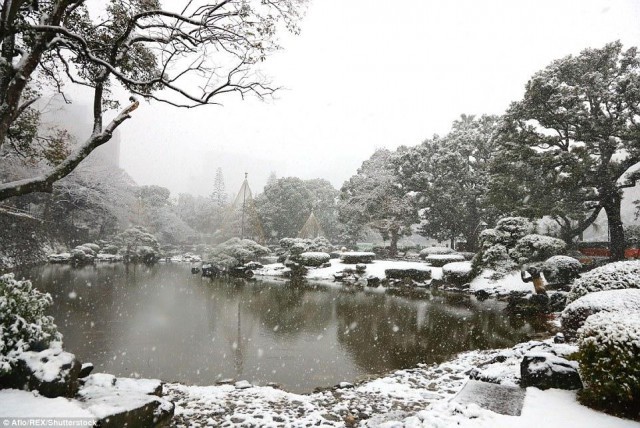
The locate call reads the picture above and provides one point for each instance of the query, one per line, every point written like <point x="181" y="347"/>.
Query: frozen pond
<point x="163" y="322"/>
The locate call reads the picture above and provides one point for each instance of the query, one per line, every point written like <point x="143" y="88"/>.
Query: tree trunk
<point x="617" y="242"/>
<point x="393" y="244"/>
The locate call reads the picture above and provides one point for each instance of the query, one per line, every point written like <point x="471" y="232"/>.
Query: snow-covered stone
<point x="545" y="370"/>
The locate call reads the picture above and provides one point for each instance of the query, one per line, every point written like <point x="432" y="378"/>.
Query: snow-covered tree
<point x="450" y="177"/>
<point x="570" y="143"/>
<point x="219" y="194"/>
<point x="375" y="197"/>
<point x="186" y="56"/>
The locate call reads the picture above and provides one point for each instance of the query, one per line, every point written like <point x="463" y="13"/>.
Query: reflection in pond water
<point x="163" y="322"/>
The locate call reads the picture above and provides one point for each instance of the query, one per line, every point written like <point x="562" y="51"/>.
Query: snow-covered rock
<point x="124" y="401"/>
<point x="545" y="370"/>
<point x="576" y="313"/>
<point x="59" y="258"/>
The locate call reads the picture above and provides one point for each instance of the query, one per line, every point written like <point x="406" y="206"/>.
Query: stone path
<point x="506" y="400"/>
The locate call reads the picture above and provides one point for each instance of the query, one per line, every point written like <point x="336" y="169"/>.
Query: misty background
<point x="360" y="76"/>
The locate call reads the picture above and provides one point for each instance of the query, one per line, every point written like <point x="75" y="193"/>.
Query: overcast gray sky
<point x="366" y="74"/>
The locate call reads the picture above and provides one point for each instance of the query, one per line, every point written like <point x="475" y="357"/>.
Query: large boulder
<point x="577" y="312"/>
<point x="545" y="370"/>
<point x="125" y="402"/>
<point x="52" y="372"/>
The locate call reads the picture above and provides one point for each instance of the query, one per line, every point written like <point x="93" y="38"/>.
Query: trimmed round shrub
<point x="355" y="257"/>
<point x="94" y="247"/>
<point x="561" y="269"/>
<point x="435" y="250"/>
<point x="609" y="357"/>
<point x="612" y="276"/>
<point x="314" y="259"/>
<point x="23" y="324"/>
<point x="576" y="313"/>
<point x="536" y="248"/>
<point x="439" y="260"/>
<point x="457" y="272"/>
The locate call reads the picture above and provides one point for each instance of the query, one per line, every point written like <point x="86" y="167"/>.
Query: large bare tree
<point x="186" y="57"/>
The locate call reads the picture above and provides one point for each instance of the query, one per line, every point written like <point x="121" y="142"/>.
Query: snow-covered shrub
<point x="457" y="272"/>
<point x="93" y="247"/>
<point x="510" y="244"/>
<point x="609" y="357"/>
<point x="515" y="228"/>
<point x="561" y="269"/>
<point x="536" y="248"/>
<point x="110" y="249"/>
<point x="319" y="244"/>
<point x="612" y="276"/>
<point x="435" y="250"/>
<point x="439" y="260"/>
<point x="314" y="258"/>
<point x="82" y="255"/>
<point x="575" y="314"/>
<point x="495" y="257"/>
<point x="23" y="324"/>
<point x="236" y="252"/>
<point x="355" y="257"/>
<point x="298" y="248"/>
<point x="132" y="239"/>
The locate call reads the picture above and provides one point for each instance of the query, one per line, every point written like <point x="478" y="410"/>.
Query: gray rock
<point x="52" y="372"/>
<point x="85" y="370"/>
<point x="545" y="370"/>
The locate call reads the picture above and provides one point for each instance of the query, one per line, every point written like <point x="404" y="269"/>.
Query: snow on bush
<point x="314" y="258"/>
<point x="612" y="276"/>
<point x="561" y="269"/>
<point x="609" y="357"/>
<point x="236" y="252"/>
<point x="93" y="247"/>
<point x="439" y="260"/>
<point x="132" y="241"/>
<point x="575" y="314"/>
<point x="318" y="244"/>
<point x="457" y="272"/>
<point x="23" y="324"/>
<point x="355" y="257"/>
<point x="511" y="244"/>
<point x="536" y="248"/>
<point x="435" y="250"/>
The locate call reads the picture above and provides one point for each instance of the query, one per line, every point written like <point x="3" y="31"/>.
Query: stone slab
<point x="505" y="400"/>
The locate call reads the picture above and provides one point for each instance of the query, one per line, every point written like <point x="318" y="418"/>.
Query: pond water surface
<point x="162" y="322"/>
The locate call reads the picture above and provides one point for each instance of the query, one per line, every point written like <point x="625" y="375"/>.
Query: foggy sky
<point x="363" y="75"/>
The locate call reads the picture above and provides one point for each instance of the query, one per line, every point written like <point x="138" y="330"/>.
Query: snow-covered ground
<point x="375" y="269"/>
<point x="418" y="397"/>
